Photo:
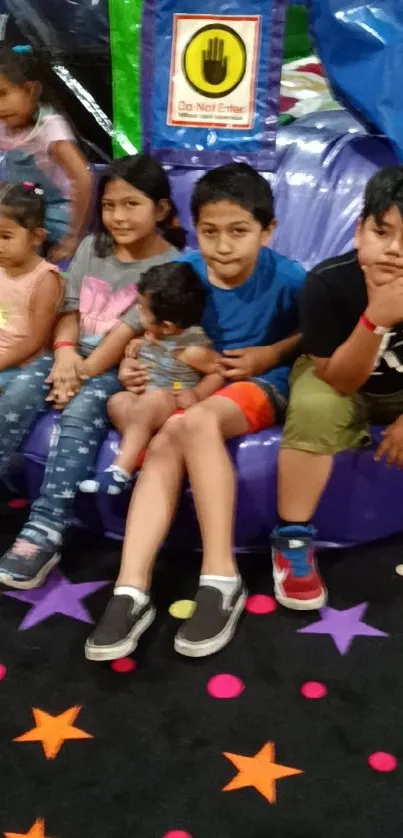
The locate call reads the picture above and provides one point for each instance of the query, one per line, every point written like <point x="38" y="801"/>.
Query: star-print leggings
<point x="75" y="441"/>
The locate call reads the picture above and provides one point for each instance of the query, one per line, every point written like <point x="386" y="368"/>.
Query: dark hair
<point x="21" y="67"/>
<point x="23" y="203"/>
<point x="147" y="175"/>
<point x="383" y="191"/>
<point x="238" y="183"/>
<point x="175" y="293"/>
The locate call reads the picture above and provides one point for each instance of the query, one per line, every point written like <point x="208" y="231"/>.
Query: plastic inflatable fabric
<point x="323" y="163"/>
<point x="218" y="95"/>
<point x="90" y="56"/>
<point x="361" y="47"/>
<point x="323" y="166"/>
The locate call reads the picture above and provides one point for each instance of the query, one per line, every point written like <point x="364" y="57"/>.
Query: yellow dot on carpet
<point x="182" y="609"/>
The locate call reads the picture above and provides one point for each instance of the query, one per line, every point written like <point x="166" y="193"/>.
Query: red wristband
<point x="371" y="327"/>
<point x="60" y="344"/>
<point x="364" y="320"/>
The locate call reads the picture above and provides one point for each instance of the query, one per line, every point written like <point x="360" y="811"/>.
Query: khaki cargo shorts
<point x="325" y="422"/>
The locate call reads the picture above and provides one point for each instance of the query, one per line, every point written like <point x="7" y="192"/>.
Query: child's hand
<point x="132" y="348"/>
<point x="59" y="398"/>
<point x="133" y="376"/>
<point x="239" y="364"/>
<point x="391" y="447"/>
<point x="185" y="399"/>
<point x="64" y="250"/>
<point x="67" y="373"/>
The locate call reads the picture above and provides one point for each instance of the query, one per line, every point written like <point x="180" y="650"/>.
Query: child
<point x="251" y="316"/>
<point x="40" y="147"/>
<point x="176" y="354"/>
<point x="31" y="290"/>
<point x="137" y="221"/>
<point x="352" y="321"/>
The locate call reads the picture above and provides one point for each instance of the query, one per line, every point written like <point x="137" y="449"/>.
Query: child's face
<point x="380" y="247"/>
<point x="156" y="330"/>
<point x="230" y="239"/>
<point x="128" y="214"/>
<point x="17" y="103"/>
<point x="16" y="244"/>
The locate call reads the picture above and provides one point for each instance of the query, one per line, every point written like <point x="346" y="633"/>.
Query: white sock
<point x="121" y="475"/>
<point x="140" y="597"/>
<point x="225" y="584"/>
<point x="89" y="487"/>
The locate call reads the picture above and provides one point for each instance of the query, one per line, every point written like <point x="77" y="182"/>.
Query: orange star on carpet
<point x="260" y="771"/>
<point x="53" y="731"/>
<point x="36" y="831"/>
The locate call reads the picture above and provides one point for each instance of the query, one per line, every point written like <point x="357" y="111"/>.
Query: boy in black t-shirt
<point x="352" y="374"/>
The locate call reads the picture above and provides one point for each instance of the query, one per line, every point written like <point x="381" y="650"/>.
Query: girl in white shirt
<point x="39" y="146"/>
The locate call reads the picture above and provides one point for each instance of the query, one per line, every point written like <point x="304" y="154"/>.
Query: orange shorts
<point x="255" y="404"/>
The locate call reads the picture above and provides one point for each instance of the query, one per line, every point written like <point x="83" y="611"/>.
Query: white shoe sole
<point x="301" y="604"/>
<point x="36" y="582"/>
<point x="214" y="644"/>
<point x="125" y="647"/>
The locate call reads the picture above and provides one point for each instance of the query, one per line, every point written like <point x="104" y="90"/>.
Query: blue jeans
<point x="22" y="400"/>
<point x="74" y="448"/>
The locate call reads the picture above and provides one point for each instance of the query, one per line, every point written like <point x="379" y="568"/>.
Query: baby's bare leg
<point x="137" y="418"/>
<point x="120" y="409"/>
<point x="138" y="421"/>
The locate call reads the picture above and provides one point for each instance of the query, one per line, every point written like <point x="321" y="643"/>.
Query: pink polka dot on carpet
<point x="123" y="665"/>
<point x="313" y="689"/>
<point x="260" y="604"/>
<point x="177" y="833"/>
<point x="382" y="761"/>
<point x="3" y="671"/>
<point x="225" y="686"/>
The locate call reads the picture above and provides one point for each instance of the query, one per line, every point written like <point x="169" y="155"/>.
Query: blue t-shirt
<point x="260" y="312"/>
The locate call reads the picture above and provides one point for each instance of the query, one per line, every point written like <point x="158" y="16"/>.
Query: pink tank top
<point x="16" y="298"/>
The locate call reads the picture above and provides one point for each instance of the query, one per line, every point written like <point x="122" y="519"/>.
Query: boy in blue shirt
<point x="251" y="316"/>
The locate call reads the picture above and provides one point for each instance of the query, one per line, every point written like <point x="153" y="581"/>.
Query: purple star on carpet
<point x="343" y="626"/>
<point x="56" y="596"/>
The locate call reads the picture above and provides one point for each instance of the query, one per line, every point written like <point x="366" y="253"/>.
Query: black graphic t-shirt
<point x="333" y="299"/>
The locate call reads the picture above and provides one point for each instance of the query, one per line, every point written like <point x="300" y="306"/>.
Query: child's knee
<point x="199" y="420"/>
<point x="119" y="405"/>
<point x="169" y="437"/>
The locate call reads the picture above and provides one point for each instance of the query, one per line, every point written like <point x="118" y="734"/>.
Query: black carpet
<point x="155" y="765"/>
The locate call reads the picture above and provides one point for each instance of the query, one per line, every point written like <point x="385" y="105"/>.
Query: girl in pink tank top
<point x="31" y="289"/>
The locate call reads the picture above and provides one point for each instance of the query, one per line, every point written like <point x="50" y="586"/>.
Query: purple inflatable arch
<point x="324" y="162"/>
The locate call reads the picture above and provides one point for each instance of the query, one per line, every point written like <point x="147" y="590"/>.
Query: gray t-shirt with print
<point x="103" y="289"/>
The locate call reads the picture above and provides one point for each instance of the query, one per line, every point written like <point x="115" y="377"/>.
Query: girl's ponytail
<point x="172" y="230"/>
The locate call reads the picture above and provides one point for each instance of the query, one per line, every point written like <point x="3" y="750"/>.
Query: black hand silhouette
<point x="214" y="62"/>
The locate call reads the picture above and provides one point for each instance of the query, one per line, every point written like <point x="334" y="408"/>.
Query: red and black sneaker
<point x="297" y="583"/>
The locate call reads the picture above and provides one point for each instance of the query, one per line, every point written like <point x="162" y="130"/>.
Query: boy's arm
<point x="352" y="363"/>
<point x="344" y="362"/>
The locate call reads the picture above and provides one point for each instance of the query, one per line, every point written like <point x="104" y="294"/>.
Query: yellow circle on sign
<point x="214" y="60"/>
<point x="182" y="609"/>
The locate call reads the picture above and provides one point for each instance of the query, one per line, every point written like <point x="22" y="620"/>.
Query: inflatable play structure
<point x="204" y="88"/>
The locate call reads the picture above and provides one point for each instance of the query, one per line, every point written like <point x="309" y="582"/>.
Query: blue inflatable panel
<point x="361" y="47"/>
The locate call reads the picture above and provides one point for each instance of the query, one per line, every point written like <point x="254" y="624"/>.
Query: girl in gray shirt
<point x="137" y="229"/>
